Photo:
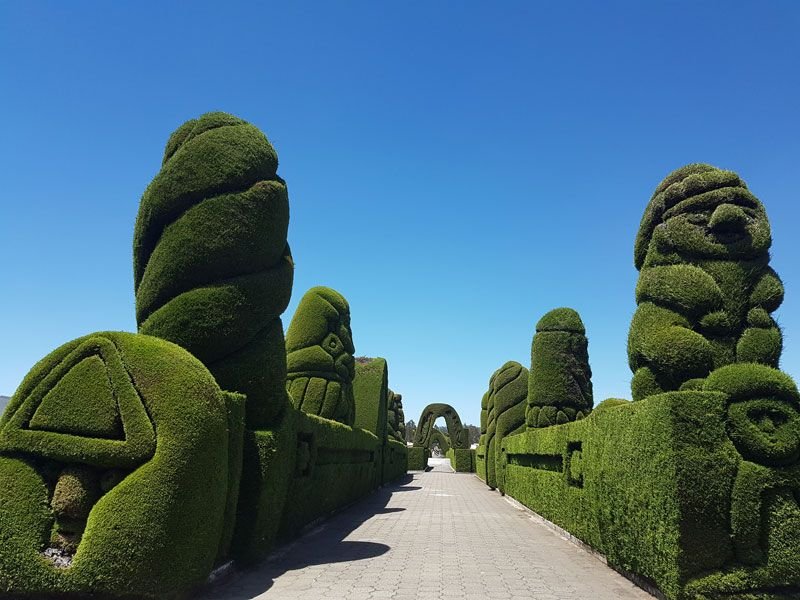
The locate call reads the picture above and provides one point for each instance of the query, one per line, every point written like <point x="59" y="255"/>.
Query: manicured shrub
<point x="705" y="289"/>
<point x="320" y="361"/>
<point x="692" y="490"/>
<point x="510" y="391"/>
<point x="212" y="268"/>
<point x="560" y="383"/>
<point x="480" y="453"/>
<point x="417" y="458"/>
<point x="455" y="430"/>
<point x="461" y="459"/>
<point x="395" y="462"/>
<point x="334" y="466"/>
<point x="395" y="417"/>
<point x="115" y="457"/>
<point x="438" y="438"/>
<point x="371" y="395"/>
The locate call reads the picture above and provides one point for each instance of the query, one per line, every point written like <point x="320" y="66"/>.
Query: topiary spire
<point x="560" y="382"/>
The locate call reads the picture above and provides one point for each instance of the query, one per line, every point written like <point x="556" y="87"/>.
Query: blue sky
<point x="455" y="169"/>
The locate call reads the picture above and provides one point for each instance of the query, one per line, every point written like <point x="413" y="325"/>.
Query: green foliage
<point x="417" y="458"/>
<point x="145" y="511"/>
<point x="335" y="465"/>
<point x="480" y="459"/>
<point x="320" y="359"/>
<point x="394" y="416"/>
<point x="440" y="439"/>
<point x="705" y="289"/>
<point x="508" y="389"/>
<point x="395" y="460"/>
<point x="560" y="385"/>
<point x="693" y="490"/>
<point x="371" y="393"/>
<point x="461" y="460"/>
<point x="212" y="269"/>
<point x="456" y="432"/>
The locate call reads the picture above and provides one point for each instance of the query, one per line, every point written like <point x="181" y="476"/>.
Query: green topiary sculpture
<point x="395" y="416"/>
<point x="371" y="391"/>
<point x="441" y="440"/>
<point x="320" y="361"/>
<point x="510" y="391"/>
<point x="560" y="383"/>
<point x="705" y="289"/>
<point x="212" y="268"/>
<point x="113" y="472"/>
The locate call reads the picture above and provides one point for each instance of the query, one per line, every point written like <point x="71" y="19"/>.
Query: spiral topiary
<point x="212" y="268"/>
<point x="560" y="383"/>
<point x="705" y="289"/>
<point x="320" y="361"/>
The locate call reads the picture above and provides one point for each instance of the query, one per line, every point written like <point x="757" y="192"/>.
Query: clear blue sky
<point x="455" y="169"/>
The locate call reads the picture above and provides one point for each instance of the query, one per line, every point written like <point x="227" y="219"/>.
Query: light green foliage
<point x="560" y="385"/>
<point x="371" y="393"/>
<point x="212" y="268"/>
<point x="705" y="290"/>
<point x="461" y="460"/>
<point x="509" y="388"/>
<point x="694" y="490"/>
<point x="320" y="363"/>
<point x="455" y="430"/>
<point x="137" y="499"/>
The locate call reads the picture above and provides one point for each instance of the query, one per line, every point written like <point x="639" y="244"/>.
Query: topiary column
<point x="510" y="391"/>
<point x="212" y="268"/>
<point x="560" y="383"/>
<point x="705" y="289"/>
<point x="320" y="363"/>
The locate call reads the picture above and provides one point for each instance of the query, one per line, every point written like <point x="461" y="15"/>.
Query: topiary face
<point x="320" y="362"/>
<point x="765" y="430"/>
<point x="703" y="212"/>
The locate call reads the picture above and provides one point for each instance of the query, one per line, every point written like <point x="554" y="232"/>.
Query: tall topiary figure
<point x="401" y="418"/>
<point x="113" y="472"/>
<point x="320" y="361"/>
<point x="510" y="390"/>
<point x="560" y="383"/>
<point x="212" y="268"/>
<point x="705" y="289"/>
<point x="395" y="416"/>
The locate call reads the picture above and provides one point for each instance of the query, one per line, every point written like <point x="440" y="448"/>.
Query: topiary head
<point x="704" y="212"/>
<point x="763" y="420"/>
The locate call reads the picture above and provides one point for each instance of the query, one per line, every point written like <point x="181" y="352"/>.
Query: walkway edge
<point x="638" y="580"/>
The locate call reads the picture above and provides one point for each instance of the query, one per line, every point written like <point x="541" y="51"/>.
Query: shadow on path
<point x="323" y="544"/>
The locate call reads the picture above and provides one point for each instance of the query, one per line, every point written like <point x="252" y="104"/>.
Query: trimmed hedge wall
<point x="510" y="390"/>
<point x="212" y="268"/>
<point x="461" y="459"/>
<point x="320" y="363"/>
<point x="395" y="460"/>
<point x="417" y="458"/>
<point x="705" y="289"/>
<point x="116" y="445"/>
<point x="693" y="490"/>
<point x="560" y="384"/>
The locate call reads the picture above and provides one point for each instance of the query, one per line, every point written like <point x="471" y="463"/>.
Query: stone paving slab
<point x="433" y="535"/>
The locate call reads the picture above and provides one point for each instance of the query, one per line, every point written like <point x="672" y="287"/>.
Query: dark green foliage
<point x="705" y="290"/>
<point x="395" y="460"/>
<point x="437" y="438"/>
<point x="371" y="393"/>
<point x="509" y="388"/>
<point x="480" y="453"/>
<point x="335" y="465"/>
<point x="461" y="460"/>
<point x="694" y="490"/>
<point x="394" y="416"/>
<point x="212" y="268"/>
<point x="560" y="385"/>
<point x="145" y="510"/>
<point x="320" y="361"/>
<point x="455" y="430"/>
<point x="417" y="458"/>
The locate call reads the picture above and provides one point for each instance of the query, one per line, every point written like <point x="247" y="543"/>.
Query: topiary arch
<point x="455" y="430"/>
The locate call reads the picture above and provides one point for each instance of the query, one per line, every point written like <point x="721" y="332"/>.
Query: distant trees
<point x="411" y="430"/>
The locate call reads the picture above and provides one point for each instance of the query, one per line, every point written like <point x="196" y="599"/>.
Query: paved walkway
<point x="434" y="535"/>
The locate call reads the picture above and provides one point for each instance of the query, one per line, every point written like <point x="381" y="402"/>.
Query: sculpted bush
<point x="212" y="268"/>
<point x="705" y="289"/>
<point x="113" y="462"/>
<point x="560" y="383"/>
<point x="320" y="363"/>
